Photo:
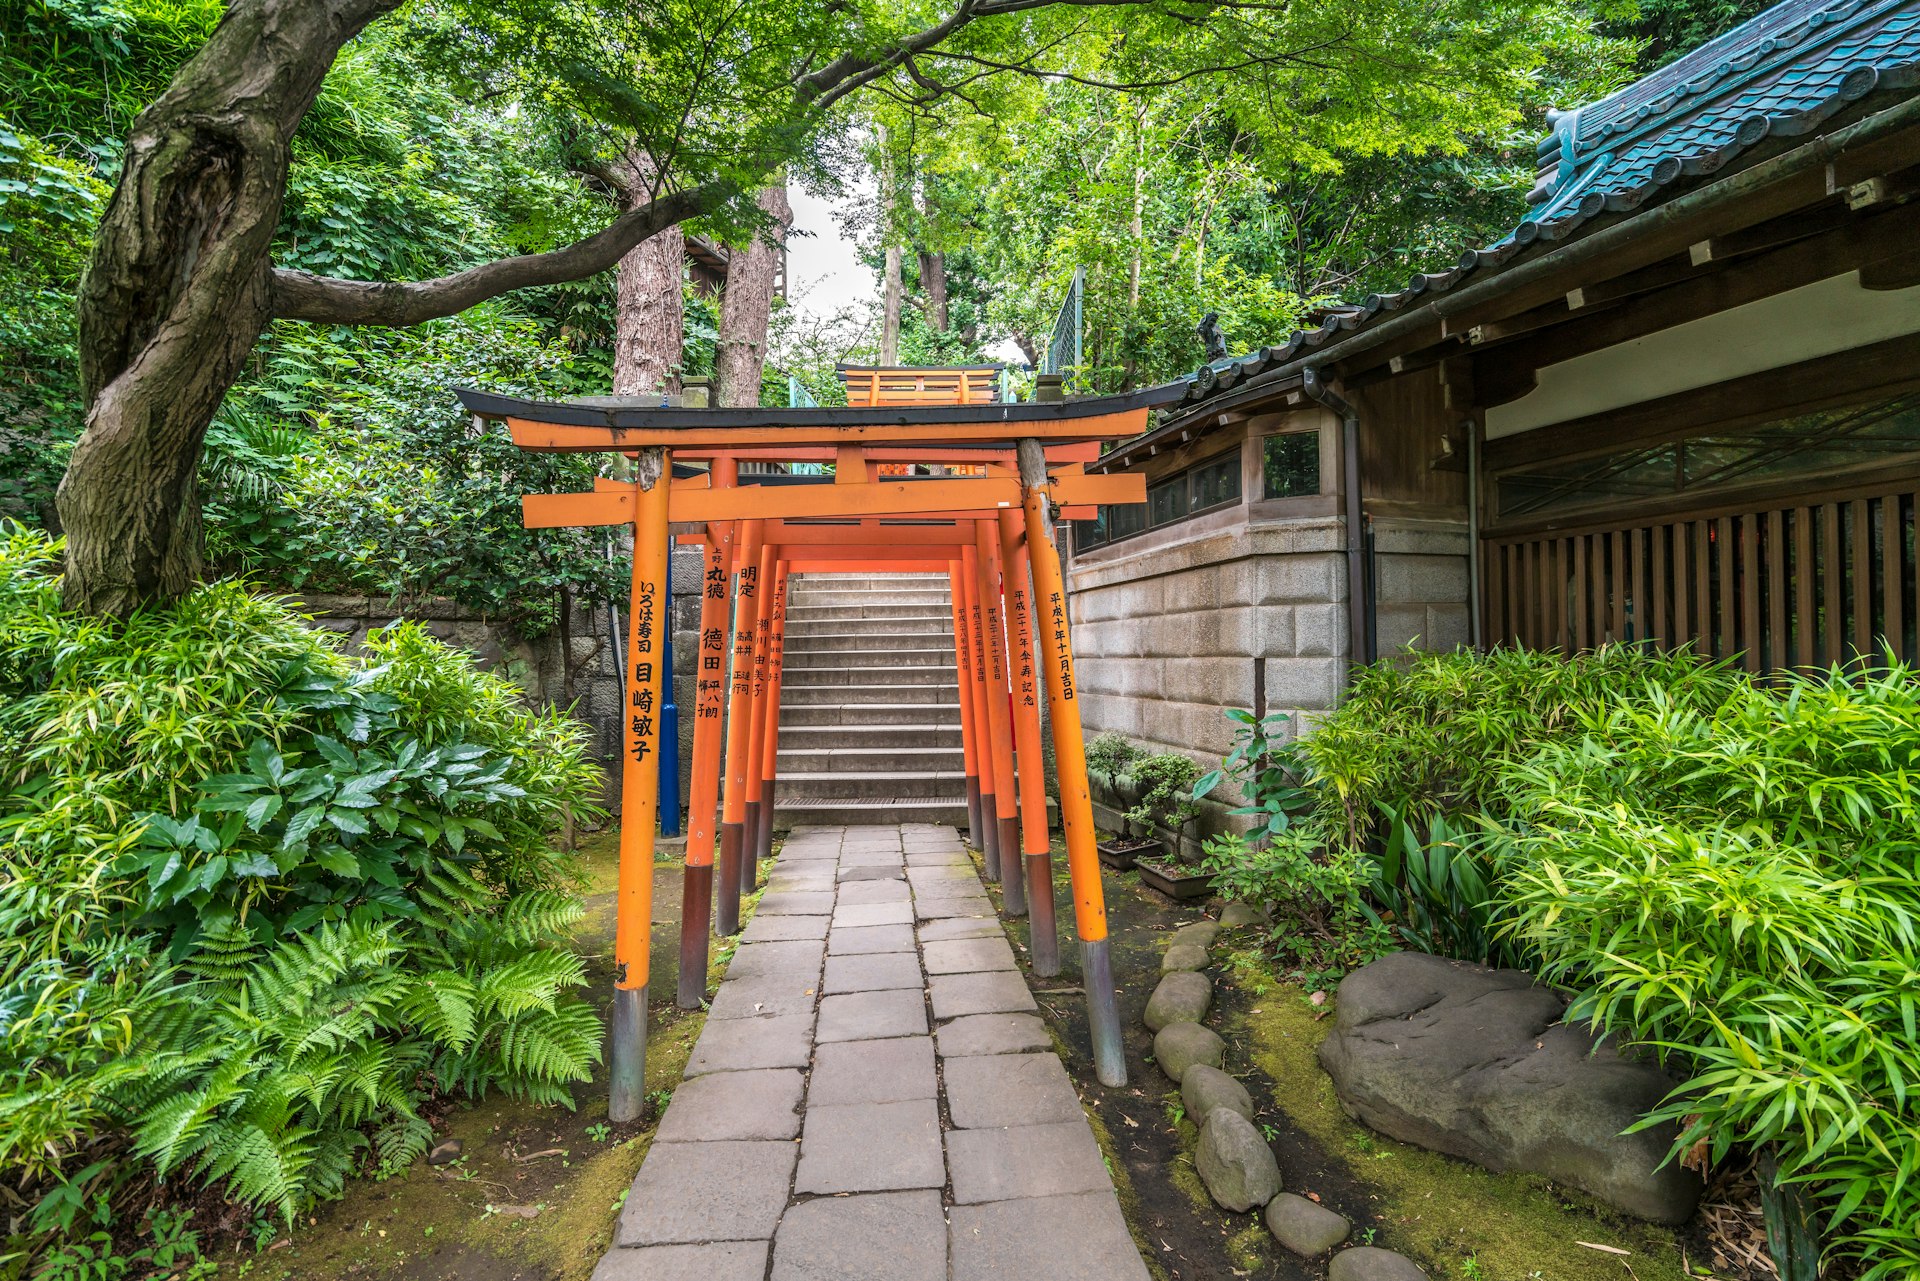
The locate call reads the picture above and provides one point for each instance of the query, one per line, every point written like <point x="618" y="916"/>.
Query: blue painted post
<point x="669" y="738"/>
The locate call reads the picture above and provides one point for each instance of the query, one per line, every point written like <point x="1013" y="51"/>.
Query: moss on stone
<point x="1437" y="1210"/>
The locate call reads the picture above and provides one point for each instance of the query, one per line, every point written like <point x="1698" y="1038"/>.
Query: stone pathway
<point x="874" y="1097"/>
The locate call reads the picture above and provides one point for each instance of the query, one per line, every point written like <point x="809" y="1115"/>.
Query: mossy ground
<point x="536" y="1191"/>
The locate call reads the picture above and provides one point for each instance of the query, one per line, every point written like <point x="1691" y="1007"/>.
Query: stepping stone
<point x="1009" y="1089"/>
<point x="762" y="1104"/>
<point x="792" y="853"/>
<point x="1204" y="1088"/>
<point x="872" y="972"/>
<point x="1178" y="1046"/>
<point x="870" y="872"/>
<point x="931" y="909"/>
<point x="764" y="996"/>
<point x="999" y="992"/>
<point x="872" y="1072"/>
<point x="868" y="1016"/>
<point x="901" y="1236"/>
<point x="857" y="914"/>
<point x="1236" y="915"/>
<point x="781" y="929"/>
<point x="943" y="873"/>
<point x="707" y="1192"/>
<point x="736" y="1045"/>
<point x="795" y="903"/>
<point x="1370" y="1263"/>
<point x="1079" y="1238"/>
<point x="792" y="879"/>
<point x="1235" y="1162"/>
<point x="1025" y="1161"/>
<point x="858" y="940"/>
<point x="1183" y="956"/>
<point x="978" y="1034"/>
<point x="965" y="927"/>
<point x="944" y="857"/>
<point x="793" y="957"/>
<point x="1182" y="997"/>
<point x="1200" y="933"/>
<point x="875" y="892"/>
<point x="870" y="1147"/>
<point x="969" y="956"/>
<point x="716" y="1261"/>
<point x="1303" y="1227"/>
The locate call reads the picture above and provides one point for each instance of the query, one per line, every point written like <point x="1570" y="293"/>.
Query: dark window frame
<point x="1319" y="473"/>
<point x="1185" y="477"/>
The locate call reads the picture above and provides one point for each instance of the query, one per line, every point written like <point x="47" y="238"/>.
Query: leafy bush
<point x="1436" y="734"/>
<point x="1163" y="793"/>
<point x="261" y="900"/>
<point x="1317" y="897"/>
<point x="1736" y="889"/>
<point x="1437" y="893"/>
<point x="1269" y="769"/>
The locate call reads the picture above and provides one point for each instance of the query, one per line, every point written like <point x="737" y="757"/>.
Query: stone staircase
<point x="869" y="704"/>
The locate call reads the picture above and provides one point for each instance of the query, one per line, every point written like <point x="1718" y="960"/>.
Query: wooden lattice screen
<point x="1801" y="585"/>
<point x="907" y="385"/>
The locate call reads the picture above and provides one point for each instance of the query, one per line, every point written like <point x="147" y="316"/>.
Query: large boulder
<point x="1178" y="1046"/>
<point x="1235" y="1162"/>
<point x="1477" y="1063"/>
<point x="1182" y="997"/>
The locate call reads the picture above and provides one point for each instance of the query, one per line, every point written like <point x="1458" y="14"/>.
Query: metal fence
<point x="1063" y="348"/>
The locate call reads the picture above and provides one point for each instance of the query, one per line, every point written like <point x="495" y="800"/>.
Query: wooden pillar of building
<point x="1036" y="847"/>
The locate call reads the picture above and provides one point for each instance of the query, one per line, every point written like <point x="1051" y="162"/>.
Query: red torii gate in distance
<point x="1012" y="440"/>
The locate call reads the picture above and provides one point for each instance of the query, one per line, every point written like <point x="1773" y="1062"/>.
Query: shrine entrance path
<point x="873" y="1094"/>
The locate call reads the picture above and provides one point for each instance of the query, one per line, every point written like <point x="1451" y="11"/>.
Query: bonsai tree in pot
<point x="1113" y="757"/>
<point x="1164" y="784"/>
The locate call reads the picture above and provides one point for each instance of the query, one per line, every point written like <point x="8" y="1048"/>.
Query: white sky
<point x="824" y="271"/>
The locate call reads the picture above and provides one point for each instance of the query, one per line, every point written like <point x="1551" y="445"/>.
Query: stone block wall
<point x="1421" y="585"/>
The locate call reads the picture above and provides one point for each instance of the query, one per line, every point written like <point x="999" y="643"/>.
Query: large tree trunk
<point x="740" y="360"/>
<point x="890" y="290"/>
<point x="933" y="283"/>
<point x="180" y="288"/>
<point x="649" y="321"/>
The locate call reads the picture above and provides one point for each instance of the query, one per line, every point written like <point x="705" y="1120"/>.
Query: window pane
<point x="1292" y="464"/>
<point x="1167" y="502"/>
<point x="1216" y="482"/>
<point x="1125" y="519"/>
<point x="1091" y="533"/>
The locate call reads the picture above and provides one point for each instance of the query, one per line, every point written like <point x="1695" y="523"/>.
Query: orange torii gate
<point x="1012" y="444"/>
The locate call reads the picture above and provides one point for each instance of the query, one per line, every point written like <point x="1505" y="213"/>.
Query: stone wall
<point x="1420" y="585"/>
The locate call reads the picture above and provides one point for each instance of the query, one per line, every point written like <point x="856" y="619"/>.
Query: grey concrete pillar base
<point x="749" y="856"/>
<point x="1103" y="1013"/>
<point x="627" y="1055"/>
<point x="696" y="900"/>
<point x="1013" y="882"/>
<point x="989" y="836"/>
<point x="726" y="912"/>
<point x="1043" y="937"/>
<point x="973" y="811"/>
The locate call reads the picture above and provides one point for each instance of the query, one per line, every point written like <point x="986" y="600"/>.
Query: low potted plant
<point x="1165" y="801"/>
<point x="1113" y="757"/>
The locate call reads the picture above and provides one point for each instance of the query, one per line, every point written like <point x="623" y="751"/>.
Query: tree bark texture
<point x="933" y="283"/>
<point x="649" y="322"/>
<point x="180" y="287"/>
<point x="740" y="360"/>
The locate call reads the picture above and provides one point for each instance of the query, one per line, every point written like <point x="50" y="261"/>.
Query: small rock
<point x="1235" y="915"/>
<point x="1183" y="956"/>
<point x="1178" y="1046"/>
<point x="1200" y="933"/>
<point x="1182" y="997"/>
<point x="1370" y="1263"/>
<point x="1303" y="1227"/>
<point x="445" y="1152"/>
<point x="1205" y="1088"/>
<point x="1235" y="1162"/>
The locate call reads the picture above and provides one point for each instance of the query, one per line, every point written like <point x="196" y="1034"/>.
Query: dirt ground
<point x="535" y="1190"/>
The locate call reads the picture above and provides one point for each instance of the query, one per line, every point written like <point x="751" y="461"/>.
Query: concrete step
<point x="799" y="613"/>
<point x="798" y="693"/>
<point x="875" y="715"/>
<point x="899" y="809"/>
<point x="935" y="674"/>
<point x="841" y="759"/>
<point x="867" y="657"/>
<point x="871" y="784"/>
<point x="918" y="733"/>
<point x="878" y="635"/>
<point x="876" y="582"/>
<point x="859" y="596"/>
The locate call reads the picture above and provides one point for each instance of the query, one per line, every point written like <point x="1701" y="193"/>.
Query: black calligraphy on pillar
<point x="1062" y="651"/>
<point x="642" y="682"/>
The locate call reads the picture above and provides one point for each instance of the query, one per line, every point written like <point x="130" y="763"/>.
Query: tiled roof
<point x="1781" y="75"/>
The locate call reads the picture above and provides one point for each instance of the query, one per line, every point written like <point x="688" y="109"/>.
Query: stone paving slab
<point x="761" y="1104"/>
<point x="872" y="972"/>
<point x="891" y="1071"/>
<point x="866" y="1016"/>
<point x="898" y="1236"/>
<point x="1009" y="1089"/>
<point x="806" y="1142"/>
<point x="854" y="940"/>
<point x="996" y="993"/>
<point x="709" y="1191"/>
<point x="1063" y="1238"/>
<point x="871" y="1147"/>
<point x="1025" y="1161"/>
<point x="977" y="1034"/>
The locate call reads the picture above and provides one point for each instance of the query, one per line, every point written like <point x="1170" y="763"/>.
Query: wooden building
<point x="1679" y="403"/>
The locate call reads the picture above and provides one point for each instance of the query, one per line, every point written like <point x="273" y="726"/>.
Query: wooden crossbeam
<point x="565" y="438"/>
<point x="941" y="499"/>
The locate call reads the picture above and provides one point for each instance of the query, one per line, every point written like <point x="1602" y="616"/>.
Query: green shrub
<point x="1269" y="769"/>
<point x="261" y="900"/>
<point x="1163" y="793"/>
<point x="1321" y="922"/>
<point x="1436" y="734"/>
<point x="1737" y="889"/>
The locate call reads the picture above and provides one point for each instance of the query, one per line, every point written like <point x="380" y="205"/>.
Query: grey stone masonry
<point x="874" y="1099"/>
